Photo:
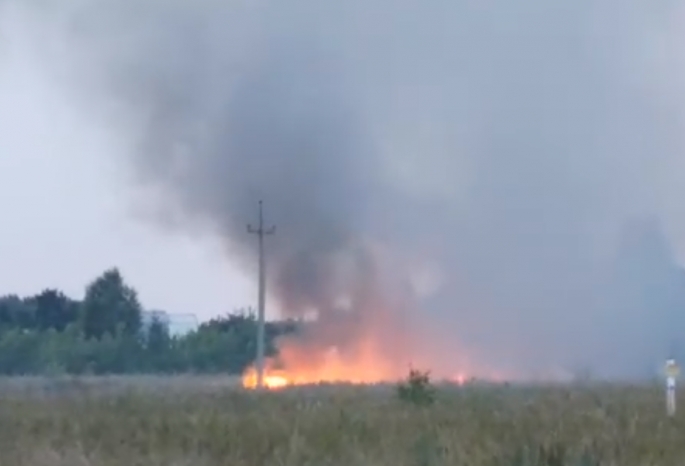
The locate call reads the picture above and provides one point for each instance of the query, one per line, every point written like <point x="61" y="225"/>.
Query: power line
<point x="260" y="231"/>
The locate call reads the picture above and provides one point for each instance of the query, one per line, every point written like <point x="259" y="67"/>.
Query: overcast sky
<point x="66" y="213"/>
<point x="525" y="133"/>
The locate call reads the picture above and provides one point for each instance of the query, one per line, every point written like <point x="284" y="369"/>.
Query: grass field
<point x="184" y="421"/>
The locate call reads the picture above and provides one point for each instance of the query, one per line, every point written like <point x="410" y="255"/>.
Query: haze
<point x="67" y="216"/>
<point x="519" y="161"/>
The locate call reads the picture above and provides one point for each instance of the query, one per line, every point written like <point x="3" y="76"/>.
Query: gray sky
<point x="508" y="146"/>
<point x="66" y="212"/>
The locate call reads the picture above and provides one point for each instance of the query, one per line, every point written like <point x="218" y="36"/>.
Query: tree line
<point x="105" y="333"/>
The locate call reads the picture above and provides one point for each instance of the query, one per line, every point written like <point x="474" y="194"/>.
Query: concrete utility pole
<point x="260" y="231"/>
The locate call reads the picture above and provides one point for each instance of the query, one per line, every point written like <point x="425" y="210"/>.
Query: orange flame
<point x="369" y="337"/>
<point x="272" y="381"/>
<point x="300" y="365"/>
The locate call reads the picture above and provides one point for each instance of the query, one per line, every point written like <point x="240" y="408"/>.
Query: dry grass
<point x="205" y="422"/>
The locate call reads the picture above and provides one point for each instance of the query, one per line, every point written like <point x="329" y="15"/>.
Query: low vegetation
<point x="207" y="421"/>
<point x="61" y="406"/>
<point x="417" y="389"/>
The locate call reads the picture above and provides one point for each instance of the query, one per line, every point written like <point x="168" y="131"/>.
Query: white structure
<point x="177" y="324"/>
<point x="672" y="371"/>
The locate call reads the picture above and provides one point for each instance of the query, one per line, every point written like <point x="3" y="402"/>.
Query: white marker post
<point x="672" y="371"/>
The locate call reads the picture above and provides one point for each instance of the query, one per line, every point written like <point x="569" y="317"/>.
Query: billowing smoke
<point x="519" y="155"/>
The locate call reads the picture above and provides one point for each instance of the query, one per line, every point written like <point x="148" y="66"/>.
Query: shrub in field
<point x="416" y="389"/>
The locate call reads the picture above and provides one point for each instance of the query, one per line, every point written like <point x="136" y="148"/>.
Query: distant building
<point x="182" y="324"/>
<point x="177" y="324"/>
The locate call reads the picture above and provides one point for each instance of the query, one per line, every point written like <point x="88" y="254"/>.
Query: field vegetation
<point x="207" y="421"/>
<point x="73" y="395"/>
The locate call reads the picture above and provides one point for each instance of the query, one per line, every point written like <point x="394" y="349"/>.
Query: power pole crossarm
<point x="260" y="231"/>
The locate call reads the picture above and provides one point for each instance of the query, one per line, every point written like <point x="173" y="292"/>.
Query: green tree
<point x="20" y="352"/>
<point x="50" y="333"/>
<point x="15" y="313"/>
<point x="53" y="310"/>
<point x="160" y="348"/>
<point x="208" y="350"/>
<point x="158" y="338"/>
<point x="110" y="305"/>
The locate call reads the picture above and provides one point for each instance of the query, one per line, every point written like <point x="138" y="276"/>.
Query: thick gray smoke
<point x="520" y="149"/>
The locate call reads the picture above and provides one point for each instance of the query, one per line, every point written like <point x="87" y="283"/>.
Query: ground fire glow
<point x="300" y="365"/>
<point x="362" y="325"/>
<point x="297" y="366"/>
<point x="275" y="378"/>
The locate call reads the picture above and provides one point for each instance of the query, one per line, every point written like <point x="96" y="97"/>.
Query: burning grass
<point x="205" y="422"/>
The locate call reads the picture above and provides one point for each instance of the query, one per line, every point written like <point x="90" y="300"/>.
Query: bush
<point x="416" y="389"/>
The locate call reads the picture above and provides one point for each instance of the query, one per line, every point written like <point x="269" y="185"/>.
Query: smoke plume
<point x="516" y="161"/>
